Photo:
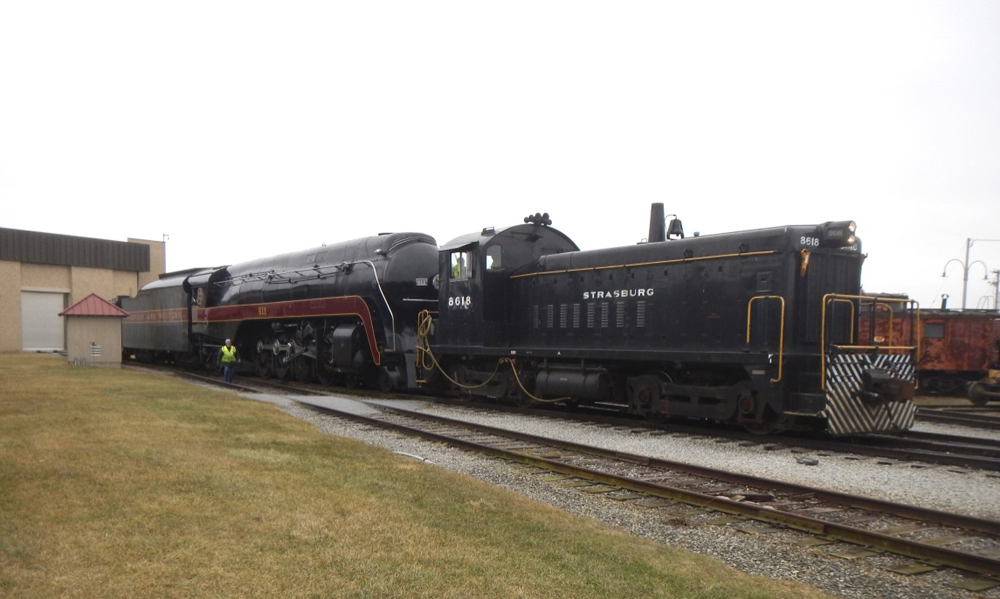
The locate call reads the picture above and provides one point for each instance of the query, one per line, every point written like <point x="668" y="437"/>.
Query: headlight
<point x="838" y="233"/>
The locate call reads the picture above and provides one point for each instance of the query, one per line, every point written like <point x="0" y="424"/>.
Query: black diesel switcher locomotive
<point x="757" y="328"/>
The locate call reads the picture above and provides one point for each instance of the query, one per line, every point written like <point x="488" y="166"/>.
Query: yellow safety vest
<point x="228" y="354"/>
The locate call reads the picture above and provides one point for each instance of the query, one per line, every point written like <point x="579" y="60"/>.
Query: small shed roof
<point x="92" y="305"/>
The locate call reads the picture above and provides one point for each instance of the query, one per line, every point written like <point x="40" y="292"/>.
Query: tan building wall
<point x="10" y="306"/>
<point x="94" y="341"/>
<point x="76" y="281"/>
<point x="107" y="284"/>
<point x="84" y="281"/>
<point x="44" y="277"/>
<point x="157" y="261"/>
<point x="126" y="283"/>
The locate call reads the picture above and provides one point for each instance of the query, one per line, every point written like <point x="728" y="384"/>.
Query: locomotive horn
<point x="538" y="219"/>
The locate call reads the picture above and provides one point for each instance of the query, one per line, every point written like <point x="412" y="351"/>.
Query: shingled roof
<point x="92" y="305"/>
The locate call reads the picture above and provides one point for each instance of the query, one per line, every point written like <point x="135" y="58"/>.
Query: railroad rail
<point x="962" y="418"/>
<point x="913" y="446"/>
<point x="930" y="448"/>
<point x="830" y="515"/>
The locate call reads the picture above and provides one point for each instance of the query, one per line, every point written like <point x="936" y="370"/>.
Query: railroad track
<point x="969" y="417"/>
<point x="932" y="538"/>
<point x="912" y="446"/>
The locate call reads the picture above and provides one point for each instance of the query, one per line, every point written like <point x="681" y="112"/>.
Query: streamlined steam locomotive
<point x="756" y="328"/>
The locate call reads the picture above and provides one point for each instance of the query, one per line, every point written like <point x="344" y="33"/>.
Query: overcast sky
<point x="246" y="129"/>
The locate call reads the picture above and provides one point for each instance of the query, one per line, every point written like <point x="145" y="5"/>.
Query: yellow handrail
<point x="781" y="330"/>
<point x="835" y="297"/>
<point x="891" y="315"/>
<point x="875" y="346"/>
<point x="851" y="304"/>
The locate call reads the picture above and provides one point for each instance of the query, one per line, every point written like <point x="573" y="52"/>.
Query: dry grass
<point x="115" y="484"/>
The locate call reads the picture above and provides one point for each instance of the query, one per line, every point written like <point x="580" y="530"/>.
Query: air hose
<point x="427" y="361"/>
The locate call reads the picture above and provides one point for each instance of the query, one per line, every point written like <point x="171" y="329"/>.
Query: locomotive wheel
<point x="522" y="400"/>
<point x="282" y="369"/>
<point x="644" y="396"/>
<point x="383" y="382"/>
<point x="943" y="385"/>
<point x="211" y="361"/>
<point x="760" y="428"/>
<point x="264" y="365"/>
<point x="303" y="369"/>
<point x="264" y="361"/>
<point x="976" y="394"/>
<point x="325" y="376"/>
<point x="459" y="375"/>
<point x="656" y="417"/>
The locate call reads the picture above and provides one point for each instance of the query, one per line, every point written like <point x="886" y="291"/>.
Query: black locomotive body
<point x="345" y="311"/>
<point x="756" y="328"/>
<point x="723" y="327"/>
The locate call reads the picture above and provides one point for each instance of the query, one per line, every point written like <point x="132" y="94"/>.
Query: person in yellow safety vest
<point x="227" y="355"/>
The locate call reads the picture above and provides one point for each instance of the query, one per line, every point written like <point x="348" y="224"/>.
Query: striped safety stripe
<point x="846" y="413"/>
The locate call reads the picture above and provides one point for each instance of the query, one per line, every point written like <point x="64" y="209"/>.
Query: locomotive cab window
<point x="460" y="266"/>
<point x="493" y="255"/>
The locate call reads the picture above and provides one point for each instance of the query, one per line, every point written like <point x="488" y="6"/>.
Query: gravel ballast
<point x="749" y="547"/>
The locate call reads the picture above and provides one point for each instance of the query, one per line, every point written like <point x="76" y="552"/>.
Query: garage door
<point x="41" y="325"/>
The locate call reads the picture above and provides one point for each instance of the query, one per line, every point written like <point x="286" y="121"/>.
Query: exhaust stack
<point x="657" y="225"/>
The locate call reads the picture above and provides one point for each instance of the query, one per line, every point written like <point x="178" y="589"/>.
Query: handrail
<point x="392" y="317"/>
<point x="875" y="308"/>
<point x="853" y="318"/>
<point x="911" y="347"/>
<point x="781" y="330"/>
<point x="875" y="300"/>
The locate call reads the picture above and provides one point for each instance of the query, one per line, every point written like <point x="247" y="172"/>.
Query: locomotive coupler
<point x="879" y="385"/>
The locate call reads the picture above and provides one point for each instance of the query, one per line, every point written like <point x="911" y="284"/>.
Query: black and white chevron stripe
<point x="846" y="413"/>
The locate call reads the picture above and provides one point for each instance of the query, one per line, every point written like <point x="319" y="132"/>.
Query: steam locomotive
<point x="756" y="328"/>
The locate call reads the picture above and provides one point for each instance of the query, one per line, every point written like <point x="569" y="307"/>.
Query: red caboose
<point x="955" y="347"/>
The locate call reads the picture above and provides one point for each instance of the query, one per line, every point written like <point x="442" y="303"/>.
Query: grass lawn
<point x="116" y="483"/>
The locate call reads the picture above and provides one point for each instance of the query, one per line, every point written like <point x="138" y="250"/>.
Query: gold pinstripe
<point x="653" y="263"/>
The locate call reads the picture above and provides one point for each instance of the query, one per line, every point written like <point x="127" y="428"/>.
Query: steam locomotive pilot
<point x="227" y="355"/>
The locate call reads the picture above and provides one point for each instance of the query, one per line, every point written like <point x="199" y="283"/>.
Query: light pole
<point x="996" y="289"/>
<point x="966" y="265"/>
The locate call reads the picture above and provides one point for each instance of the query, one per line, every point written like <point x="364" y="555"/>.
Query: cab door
<point x="460" y="305"/>
<point x="494" y="277"/>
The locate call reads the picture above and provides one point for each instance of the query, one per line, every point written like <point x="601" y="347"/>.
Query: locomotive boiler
<point x="344" y="312"/>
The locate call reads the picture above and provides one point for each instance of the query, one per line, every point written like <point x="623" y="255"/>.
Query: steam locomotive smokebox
<point x="574" y="383"/>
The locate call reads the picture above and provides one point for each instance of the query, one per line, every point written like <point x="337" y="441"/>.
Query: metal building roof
<point x="68" y="250"/>
<point x="92" y="305"/>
